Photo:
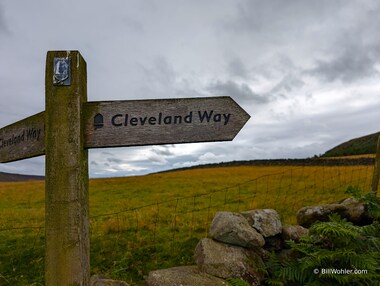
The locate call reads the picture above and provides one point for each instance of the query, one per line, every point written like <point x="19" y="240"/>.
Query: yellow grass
<point x="283" y="187"/>
<point x="162" y="214"/>
<point x="22" y="204"/>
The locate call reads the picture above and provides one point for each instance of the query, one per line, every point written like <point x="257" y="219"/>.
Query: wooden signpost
<point x="134" y="123"/>
<point x="23" y="139"/>
<point x="70" y="125"/>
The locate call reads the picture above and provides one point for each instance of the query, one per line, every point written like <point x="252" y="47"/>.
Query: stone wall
<point x="239" y="244"/>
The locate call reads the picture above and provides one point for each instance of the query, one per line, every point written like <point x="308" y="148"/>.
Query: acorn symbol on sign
<point x="98" y="121"/>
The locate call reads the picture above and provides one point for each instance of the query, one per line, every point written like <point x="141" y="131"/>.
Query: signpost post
<point x="71" y="125"/>
<point x="67" y="256"/>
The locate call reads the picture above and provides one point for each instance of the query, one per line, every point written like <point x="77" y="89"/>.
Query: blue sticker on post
<point x="62" y="72"/>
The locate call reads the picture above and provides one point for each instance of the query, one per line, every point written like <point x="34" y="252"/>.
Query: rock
<point x="350" y="209"/>
<point x="266" y="221"/>
<point x="306" y="216"/>
<point x="233" y="228"/>
<point x="264" y="254"/>
<point x="293" y="232"/>
<point x="100" y="280"/>
<point x="182" y="276"/>
<point x="224" y="261"/>
<point x="356" y="212"/>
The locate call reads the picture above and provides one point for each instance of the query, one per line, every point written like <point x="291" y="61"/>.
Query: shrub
<point x="333" y="253"/>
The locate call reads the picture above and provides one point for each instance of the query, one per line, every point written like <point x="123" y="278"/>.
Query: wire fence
<point x="167" y="225"/>
<point x="190" y="216"/>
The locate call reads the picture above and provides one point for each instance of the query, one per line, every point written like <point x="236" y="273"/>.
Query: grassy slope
<point x="133" y="239"/>
<point x="358" y="146"/>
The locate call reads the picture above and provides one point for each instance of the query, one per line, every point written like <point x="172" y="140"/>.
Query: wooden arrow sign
<point x="23" y="139"/>
<point x="162" y="121"/>
<point x="134" y="123"/>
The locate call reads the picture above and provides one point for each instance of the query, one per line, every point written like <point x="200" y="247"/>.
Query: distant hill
<point x="284" y="162"/>
<point x="8" y="177"/>
<point x="358" y="146"/>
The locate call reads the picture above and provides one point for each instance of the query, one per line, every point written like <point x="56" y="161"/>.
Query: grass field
<point x="352" y="156"/>
<point x="154" y="221"/>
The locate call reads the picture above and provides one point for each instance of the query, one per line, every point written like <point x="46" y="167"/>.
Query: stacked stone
<point x="239" y="244"/>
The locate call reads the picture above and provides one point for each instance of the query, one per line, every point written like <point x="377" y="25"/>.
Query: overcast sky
<point x="308" y="72"/>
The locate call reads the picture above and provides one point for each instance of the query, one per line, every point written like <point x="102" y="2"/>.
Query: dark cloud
<point x="133" y="25"/>
<point x="352" y="63"/>
<point x="160" y="154"/>
<point x="158" y="76"/>
<point x="354" y="52"/>
<point x="339" y="38"/>
<point x="286" y="85"/>
<point x="162" y="150"/>
<point x="156" y="159"/>
<point x="280" y="17"/>
<point x="236" y="68"/>
<point x="240" y="91"/>
<point x="115" y="160"/>
<point x="3" y="24"/>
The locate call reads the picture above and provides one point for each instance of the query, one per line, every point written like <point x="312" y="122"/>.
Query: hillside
<point x="7" y="177"/>
<point x="360" y="161"/>
<point x="358" y="146"/>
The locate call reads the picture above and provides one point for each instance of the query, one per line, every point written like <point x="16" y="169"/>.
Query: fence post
<point x="67" y="260"/>
<point x="376" y="170"/>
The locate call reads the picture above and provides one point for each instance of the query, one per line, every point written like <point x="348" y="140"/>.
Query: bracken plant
<point x="336" y="252"/>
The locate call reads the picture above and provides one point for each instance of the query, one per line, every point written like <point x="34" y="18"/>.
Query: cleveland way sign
<point x="70" y="125"/>
<point x="162" y="121"/>
<point x="134" y="123"/>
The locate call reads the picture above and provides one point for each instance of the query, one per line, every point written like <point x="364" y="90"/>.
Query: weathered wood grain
<point x="134" y="123"/>
<point x="67" y="259"/>
<point x="162" y="121"/>
<point x="23" y="139"/>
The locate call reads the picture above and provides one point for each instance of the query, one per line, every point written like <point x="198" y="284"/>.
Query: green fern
<point x="336" y="244"/>
<point x="237" y="282"/>
<point x="370" y="199"/>
<point x="335" y="233"/>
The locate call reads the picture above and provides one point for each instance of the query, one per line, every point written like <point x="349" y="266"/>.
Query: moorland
<point x="154" y="221"/>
